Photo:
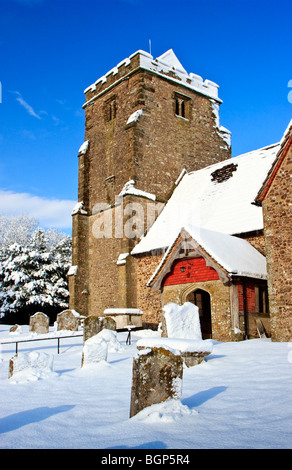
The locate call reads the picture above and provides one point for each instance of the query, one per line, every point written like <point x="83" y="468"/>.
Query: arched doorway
<point x="202" y="300"/>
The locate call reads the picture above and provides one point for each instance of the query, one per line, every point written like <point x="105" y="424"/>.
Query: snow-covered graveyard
<point x="239" y="397"/>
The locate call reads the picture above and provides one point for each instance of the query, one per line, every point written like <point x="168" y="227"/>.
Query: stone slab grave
<point x="125" y="316"/>
<point x="68" y="320"/>
<point x="39" y="323"/>
<point x="157" y="377"/>
<point x="182" y="331"/>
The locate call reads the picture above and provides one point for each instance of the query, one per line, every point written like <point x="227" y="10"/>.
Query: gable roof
<point x="169" y="58"/>
<point x="219" y="198"/>
<point x="232" y="255"/>
<point x="285" y="144"/>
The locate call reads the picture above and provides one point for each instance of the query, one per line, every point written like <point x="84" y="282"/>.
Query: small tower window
<point x="110" y="109"/>
<point x="182" y="106"/>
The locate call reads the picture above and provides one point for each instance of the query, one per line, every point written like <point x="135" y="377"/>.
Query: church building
<point x="164" y="213"/>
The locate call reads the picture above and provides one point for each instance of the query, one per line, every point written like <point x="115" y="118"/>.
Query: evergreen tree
<point x="34" y="278"/>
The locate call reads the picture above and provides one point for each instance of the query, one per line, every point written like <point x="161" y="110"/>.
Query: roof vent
<point x="223" y="174"/>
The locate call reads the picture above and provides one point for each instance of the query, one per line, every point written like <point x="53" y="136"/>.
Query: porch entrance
<point x="202" y="300"/>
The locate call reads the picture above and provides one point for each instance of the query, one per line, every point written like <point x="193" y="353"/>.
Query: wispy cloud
<point x="25" y="105"/>
<point x="49" y="212"/>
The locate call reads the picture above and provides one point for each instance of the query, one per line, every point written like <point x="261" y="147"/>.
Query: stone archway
<point x="202" y="299"/>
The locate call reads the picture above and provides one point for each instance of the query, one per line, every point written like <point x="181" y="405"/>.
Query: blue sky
<point x="51" y="50"/>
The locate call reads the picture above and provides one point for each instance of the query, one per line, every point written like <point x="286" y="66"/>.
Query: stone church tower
<point x="146" y="121"/>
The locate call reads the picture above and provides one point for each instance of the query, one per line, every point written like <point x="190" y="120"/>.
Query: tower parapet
<point x="167" y="65"/>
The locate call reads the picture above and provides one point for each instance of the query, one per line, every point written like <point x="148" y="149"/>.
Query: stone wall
<point x="148" y="300"/>
<point x="257" y="240"/>
<point x="158" y="140"/>
<point x="152" y="151"/>
<point x="277" y="206"/>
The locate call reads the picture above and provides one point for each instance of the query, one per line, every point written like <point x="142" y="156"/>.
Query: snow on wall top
<point x="129" y="189"/>
<point x="165" y="65"/>
<point x="219" y="198"/>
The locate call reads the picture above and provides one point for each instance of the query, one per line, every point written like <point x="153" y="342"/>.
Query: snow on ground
<point x="239" y="398"/>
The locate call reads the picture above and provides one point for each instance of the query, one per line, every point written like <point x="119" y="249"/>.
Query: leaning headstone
<point x="157" y="376"/>
<point x="68" y="320"/>
<point x="31" y="365"/>
<point x="39" y="323"/>
<point x="94" y="351"/>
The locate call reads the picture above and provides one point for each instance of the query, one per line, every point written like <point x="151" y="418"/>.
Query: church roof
<point x="235" y="256"/>
<point x="285" y="144"/>
<point x="219" y="198"/>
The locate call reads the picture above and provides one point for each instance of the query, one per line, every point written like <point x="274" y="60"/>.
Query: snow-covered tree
<point x="33" y="277"/>
<point x="16" y="229"/>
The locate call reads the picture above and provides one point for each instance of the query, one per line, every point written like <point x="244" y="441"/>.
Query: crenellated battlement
<point x="166" y="65"/>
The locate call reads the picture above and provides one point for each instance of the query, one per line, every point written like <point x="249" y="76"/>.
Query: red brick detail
<point x="196" y="271"/>
<point x="250" y="297"/>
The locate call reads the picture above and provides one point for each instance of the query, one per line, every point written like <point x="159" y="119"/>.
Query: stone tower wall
<point x="152" y="150"/>
<point x="277" y="216"/>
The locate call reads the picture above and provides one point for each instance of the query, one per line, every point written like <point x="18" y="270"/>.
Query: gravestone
<point x="31" y="363"/>
<point x="108" y="323"/>
<point x="182" y="321"/>
<point x="68" y="320"/>
<point x="39" y="323"/>
<point x="92" y="325"/>
<point x="95" y="350"/>
<point x="181" y="324"/>
<point x="157" y="376"/>
<point x="15" y="329"/>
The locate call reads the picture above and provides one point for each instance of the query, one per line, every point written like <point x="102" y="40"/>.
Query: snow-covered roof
<point x="235" y="255"/>
<point x="285" y="143"/>
<point x="169" y="66"/>
<point x="219" y="198"/>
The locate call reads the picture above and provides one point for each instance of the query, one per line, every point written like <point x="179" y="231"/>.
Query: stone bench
<point x="193" y="352"/>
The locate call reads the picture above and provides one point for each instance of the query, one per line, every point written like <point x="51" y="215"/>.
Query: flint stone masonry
<point x="68" y="320"/>
<point x="39" y="323"/>
<point x="157" y="376"/>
